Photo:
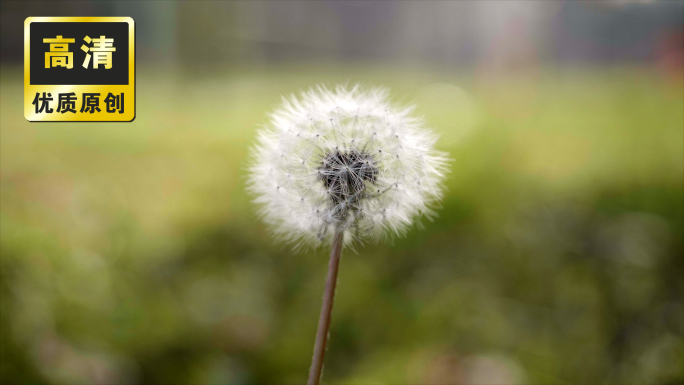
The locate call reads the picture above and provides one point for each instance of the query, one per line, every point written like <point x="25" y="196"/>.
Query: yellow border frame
<point x="102" y="116"/>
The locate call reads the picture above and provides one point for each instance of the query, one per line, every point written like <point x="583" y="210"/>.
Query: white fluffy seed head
<point x="344" y="160"/>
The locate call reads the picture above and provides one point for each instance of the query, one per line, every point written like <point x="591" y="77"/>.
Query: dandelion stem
<point x="324" y="321"/>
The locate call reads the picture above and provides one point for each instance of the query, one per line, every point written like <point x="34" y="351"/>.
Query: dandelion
<point x="339" y="166"/>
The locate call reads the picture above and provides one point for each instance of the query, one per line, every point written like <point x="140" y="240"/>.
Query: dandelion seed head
<point x="344" y="160"/>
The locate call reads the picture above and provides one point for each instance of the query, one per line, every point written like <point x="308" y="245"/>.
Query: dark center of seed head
<point x="344" y="175"/>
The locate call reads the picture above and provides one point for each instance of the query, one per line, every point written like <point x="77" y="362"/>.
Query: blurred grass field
<point x="132" y="254"/>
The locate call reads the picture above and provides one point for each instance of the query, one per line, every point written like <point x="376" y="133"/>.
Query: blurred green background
<point x="131" y="254"/>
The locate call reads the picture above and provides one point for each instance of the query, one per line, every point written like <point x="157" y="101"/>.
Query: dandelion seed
<point x="344" y="162"/>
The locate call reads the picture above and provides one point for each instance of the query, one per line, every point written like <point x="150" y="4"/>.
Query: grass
<point x="131" y="253"/>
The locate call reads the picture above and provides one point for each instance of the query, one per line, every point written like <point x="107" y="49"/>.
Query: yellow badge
<point x="79" y="69"/>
